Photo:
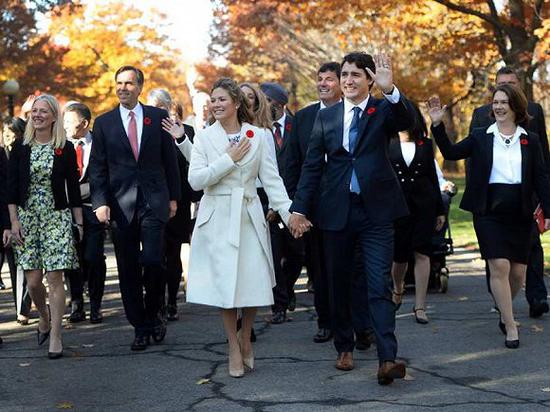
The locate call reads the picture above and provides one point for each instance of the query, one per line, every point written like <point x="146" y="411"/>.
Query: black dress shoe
<point x="159" y="332"/>
<point x="537" y="309"/>
<point x="55" y="355"/>
<point x="292" y="303"/>
<point x="278" y="317"/>
<point x="140" y="343"/>
<point x="95" y="315"/>
<point x="323" y="335"/>
<point x="511" y="344"/>
<point x="42" y="336"/>
<point x="172" y="313"/>
<point x="77" y="312"/>
<point x="363" y="340"/>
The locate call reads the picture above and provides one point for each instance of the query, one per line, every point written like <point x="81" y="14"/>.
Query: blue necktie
<point x="353" y="134"/>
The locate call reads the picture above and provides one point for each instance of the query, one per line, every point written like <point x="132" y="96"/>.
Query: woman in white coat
<point x="231" y="261"/>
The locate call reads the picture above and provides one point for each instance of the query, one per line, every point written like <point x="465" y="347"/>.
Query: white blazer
<point x="229" y="188"/>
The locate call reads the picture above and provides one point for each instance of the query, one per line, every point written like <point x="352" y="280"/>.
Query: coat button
<point x="400" y="172"/>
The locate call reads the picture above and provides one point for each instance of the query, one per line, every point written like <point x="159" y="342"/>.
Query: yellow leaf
<point x="65" y="405"/>
<point x="463" y="298"/>
<point x="537" y="329"/>
<point x="409" y="377"/>
<point x="545" y="389"/>
<point x="24" y="364"/>
<point x="203" y="381"/>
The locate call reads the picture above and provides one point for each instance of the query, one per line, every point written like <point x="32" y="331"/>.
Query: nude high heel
<point x="236" y="368"/>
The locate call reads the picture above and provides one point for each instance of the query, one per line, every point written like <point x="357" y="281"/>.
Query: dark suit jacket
<point x="180" y="227"/>
<point x="64" y="176"/>
<point x="481" y="118"/>
<point x="478" y="147"/>
<point x="380" y="190"/>
<point x="283" y="151"/>
<point x="115" y="176"/>
<point x="418" y="180"/>
<point x="4" y="214"/>
<point x="297" y="145"/>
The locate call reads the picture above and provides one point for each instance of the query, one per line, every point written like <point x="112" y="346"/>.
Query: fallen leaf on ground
<point x="545" y="389"/>
<point x="537" y="328"/>
<point x="463" y="298"/>
<point x="24" y="364"/>
<point x="409" y="377"/>
<point x="203" y="381"/>
<point x="68" y="326"/>
<point x="65" y="405"/>
<point x="87" y="345"/>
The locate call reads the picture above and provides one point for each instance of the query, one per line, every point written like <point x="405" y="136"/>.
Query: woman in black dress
<point x="412" y="157"/>
<point x="506" y="170"/>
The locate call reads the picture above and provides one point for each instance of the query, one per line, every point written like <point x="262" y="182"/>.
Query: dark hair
<point x="418" y="130"/>
<point x="517" y="102"/>
<point x="244" y="114"/>
<point x="362" y="60"/>
<point x="507" y="70"/>
<point x="330" y="67"/>
<point x="138" y="72"/>
<point x="17" y="126"/>
<point x="82" y="110"/>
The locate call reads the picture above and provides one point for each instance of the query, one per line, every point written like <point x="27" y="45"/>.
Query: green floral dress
<point x="47" y="233"/>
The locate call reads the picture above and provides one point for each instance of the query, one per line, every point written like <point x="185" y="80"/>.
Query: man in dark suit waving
<point x="535" y="288"/>
<point x="359" y="199"/>
<point x="135" y="185"/>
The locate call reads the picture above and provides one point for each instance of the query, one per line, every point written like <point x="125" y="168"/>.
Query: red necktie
<point x="79" y="161"/>
<point x="278" y="135"/>
<point x="132" y="135"/>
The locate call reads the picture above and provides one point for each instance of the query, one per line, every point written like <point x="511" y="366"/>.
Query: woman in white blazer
<point x="231" y="261"/>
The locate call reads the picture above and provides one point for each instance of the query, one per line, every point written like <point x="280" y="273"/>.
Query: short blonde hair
<point x="58" y="132"/>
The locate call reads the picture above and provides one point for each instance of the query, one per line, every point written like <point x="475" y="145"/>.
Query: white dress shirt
<point x="125" y="116"/>
<point x="408" y="149"/>
<point x="506" y="157"/>
<point x="348" y="112"/>
<point x="281" y="121"/>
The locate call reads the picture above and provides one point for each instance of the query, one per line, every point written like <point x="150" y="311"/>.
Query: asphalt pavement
<point x="457" y="362"/>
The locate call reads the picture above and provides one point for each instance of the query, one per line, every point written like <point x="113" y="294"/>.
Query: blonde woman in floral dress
<point x="42" y="189"/>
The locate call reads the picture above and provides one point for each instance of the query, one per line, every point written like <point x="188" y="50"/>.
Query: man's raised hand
<point x="383" y="77"/>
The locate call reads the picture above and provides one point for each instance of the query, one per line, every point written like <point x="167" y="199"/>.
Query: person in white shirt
<point x="506" y="169"/>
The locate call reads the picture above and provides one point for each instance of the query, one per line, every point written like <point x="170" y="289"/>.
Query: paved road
<point x="456" y="363"/>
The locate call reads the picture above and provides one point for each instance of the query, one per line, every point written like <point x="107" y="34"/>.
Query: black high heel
<point x="512" y="344"/>
<point x="43" y="336"/>
<point x="502" y="327"/>
<point x="422" y="321"/>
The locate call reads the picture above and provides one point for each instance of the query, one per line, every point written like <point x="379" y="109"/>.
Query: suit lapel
<point x="119" y="130"/>
<point x="365" y="117"/>
<point x="337" y="122"/>
<point x="219" y="139"/>
<point x="489" y="153"/>
<point x="253" y="144"/>
<point x="146" y="128"/>
<point x="287" y="128"/>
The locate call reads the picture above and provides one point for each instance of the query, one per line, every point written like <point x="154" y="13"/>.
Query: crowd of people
<point x="347" y="187"/>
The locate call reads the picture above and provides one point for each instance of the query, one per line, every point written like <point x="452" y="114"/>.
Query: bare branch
<point x="466" y="10"/>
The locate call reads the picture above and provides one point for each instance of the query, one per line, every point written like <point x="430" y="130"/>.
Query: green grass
<point x="462" y="228"/>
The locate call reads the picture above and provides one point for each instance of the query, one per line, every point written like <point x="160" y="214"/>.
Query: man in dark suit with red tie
<point x="347" y="163"/>
<point x="135" y="186"/>
<point x="288" y="253"/>
<point x="535" y="288"/>
<point x="77" y="119"/>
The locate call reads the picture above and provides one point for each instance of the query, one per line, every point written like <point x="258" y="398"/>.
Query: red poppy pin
<point x="288" y="127"/>
<point x="371" y="110"/>
<point x="147" y="121"/>
<point x="58" y="151"/>
<point x="249" y="134"/>
<point x="420" y="142"/>
<point x="524" y="142"/>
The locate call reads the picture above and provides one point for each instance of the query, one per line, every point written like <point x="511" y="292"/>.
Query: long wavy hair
<point x="262" y="116"/>
<point x="244" y="112"/>
<point x="58" y="133"/>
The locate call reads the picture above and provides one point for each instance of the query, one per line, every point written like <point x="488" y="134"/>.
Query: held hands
<point x="173" y="208"/>
<point x="298" y="225"/>
<point x="383" y="77"/>
<point x="272" y="216"/>
<point x="439" y="222"/>
<point x="175" y="129"/>
<point x="103" y="214"/>
<point x="239" y="150"/>
<point x="435" y="110"/>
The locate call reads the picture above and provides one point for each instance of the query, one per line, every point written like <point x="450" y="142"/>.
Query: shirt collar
<point x="124" y="112"/>
<point x="348" y="106"/>
<point x="281" y="121"/>
<point x="324" y="106"/>
<point x="87" y="139"/>
<point x="519" y="130"/>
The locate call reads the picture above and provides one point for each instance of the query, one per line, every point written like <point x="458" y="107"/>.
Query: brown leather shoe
<point x="389" y="371"/>
<point x="345" y="361"/>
